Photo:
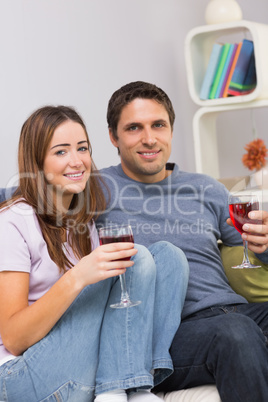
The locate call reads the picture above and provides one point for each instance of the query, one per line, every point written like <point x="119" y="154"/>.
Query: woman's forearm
<point x="32" y="323"/>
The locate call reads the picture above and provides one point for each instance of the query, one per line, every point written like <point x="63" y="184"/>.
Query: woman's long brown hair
<point x="35" y="137"/>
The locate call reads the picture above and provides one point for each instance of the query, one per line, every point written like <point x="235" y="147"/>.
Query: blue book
<point x="251" y="79"/>
<point x="250" y="82"/>
<point x="225" y="71"/>
<point x="211" y="71"/>
<point x="242" y="65"/>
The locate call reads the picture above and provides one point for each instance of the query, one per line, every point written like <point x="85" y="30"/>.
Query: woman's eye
<point x="83" y="149"/>
<point x="61" y="152"/>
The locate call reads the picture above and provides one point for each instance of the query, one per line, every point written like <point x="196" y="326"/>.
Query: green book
<point x="219" y="71"/>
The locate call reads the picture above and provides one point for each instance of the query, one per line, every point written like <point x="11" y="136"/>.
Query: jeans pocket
<point x="16" y="385"/>
<point x="71" y="392"/>
<point x="15" y="382"/>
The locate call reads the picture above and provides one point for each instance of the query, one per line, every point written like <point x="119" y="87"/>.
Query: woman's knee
<point x="172" y="256"/>
<point x="144" y="264"/>
<point x="168" y="249"/>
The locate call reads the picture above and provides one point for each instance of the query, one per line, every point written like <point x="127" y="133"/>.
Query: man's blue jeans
<point x="93" y="344"/>
<point x="226" y="346"/>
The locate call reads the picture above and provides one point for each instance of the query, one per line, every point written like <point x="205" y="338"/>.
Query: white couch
<point x="204" y="393"/>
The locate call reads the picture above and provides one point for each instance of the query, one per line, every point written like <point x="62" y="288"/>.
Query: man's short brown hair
<point x="128" y="93"/>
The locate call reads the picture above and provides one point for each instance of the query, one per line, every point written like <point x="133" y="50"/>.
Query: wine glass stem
<point x="245" y="258"/>
<point x="124" y="293"/>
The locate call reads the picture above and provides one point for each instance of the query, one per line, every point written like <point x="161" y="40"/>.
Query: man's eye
<point x="159" y="125"/>
<point x="133" y="128"/>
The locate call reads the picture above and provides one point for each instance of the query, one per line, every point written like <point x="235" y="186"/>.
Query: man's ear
<point x="113" y="140"/>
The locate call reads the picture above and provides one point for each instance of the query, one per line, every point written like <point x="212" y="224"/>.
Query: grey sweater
<point x="188" y="210"/>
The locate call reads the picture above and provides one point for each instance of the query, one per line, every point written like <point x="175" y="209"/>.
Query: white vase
<point x="261" y="177"/>
<point x="220" y="11"/>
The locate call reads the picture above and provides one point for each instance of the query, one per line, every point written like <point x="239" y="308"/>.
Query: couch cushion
<point x="203" y="393"/>
<point x="249" y="283"/>
<point x="6" y="193"/>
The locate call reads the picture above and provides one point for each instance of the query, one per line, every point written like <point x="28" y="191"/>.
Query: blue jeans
<point x="93" y="345"/>
<point x="226" y="346"/>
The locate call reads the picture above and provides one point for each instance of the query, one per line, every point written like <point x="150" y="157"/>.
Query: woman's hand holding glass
<point x="105" y="262"/>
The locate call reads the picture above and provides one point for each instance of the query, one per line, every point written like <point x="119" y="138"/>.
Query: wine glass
<point x="116" y="234"/>
<point x="240" y="204"/>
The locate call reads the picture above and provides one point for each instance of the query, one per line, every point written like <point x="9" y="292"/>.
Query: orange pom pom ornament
<point x="255" y="158"/>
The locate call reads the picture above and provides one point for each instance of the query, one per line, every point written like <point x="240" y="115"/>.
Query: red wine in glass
<point x="239" y="214"/>
<point x="117" y="239"/>
<point x="118" y="234"/>
<point x="240" y="204"/>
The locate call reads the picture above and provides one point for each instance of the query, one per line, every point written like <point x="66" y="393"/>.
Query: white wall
<point x="78" y="52"/>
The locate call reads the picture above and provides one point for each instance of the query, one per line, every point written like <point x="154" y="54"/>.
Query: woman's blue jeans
<point x="226" y="346"/>
<point x="94" y="348"/>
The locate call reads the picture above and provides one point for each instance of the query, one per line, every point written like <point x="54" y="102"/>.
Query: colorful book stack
<point x="230" y="72"/>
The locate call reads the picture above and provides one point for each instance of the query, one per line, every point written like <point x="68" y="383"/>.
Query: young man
<point x="222" y="337"/>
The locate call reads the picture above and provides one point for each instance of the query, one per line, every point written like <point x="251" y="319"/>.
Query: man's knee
<point x="238" y="332"/>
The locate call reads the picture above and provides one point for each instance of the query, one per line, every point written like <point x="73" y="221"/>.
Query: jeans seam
<point x="128" y="332"/>
<point x="136" y="382"/>
<point x="4" y="390"/>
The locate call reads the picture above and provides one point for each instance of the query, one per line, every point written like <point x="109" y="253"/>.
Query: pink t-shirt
<point x="23" y="249"/>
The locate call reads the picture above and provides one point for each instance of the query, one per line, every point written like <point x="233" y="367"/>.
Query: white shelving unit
<point x="205" y="134"/>
<point x="198" y="46"/>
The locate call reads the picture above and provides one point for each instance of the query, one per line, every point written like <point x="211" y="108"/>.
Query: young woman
<point x="60" y="340"/>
